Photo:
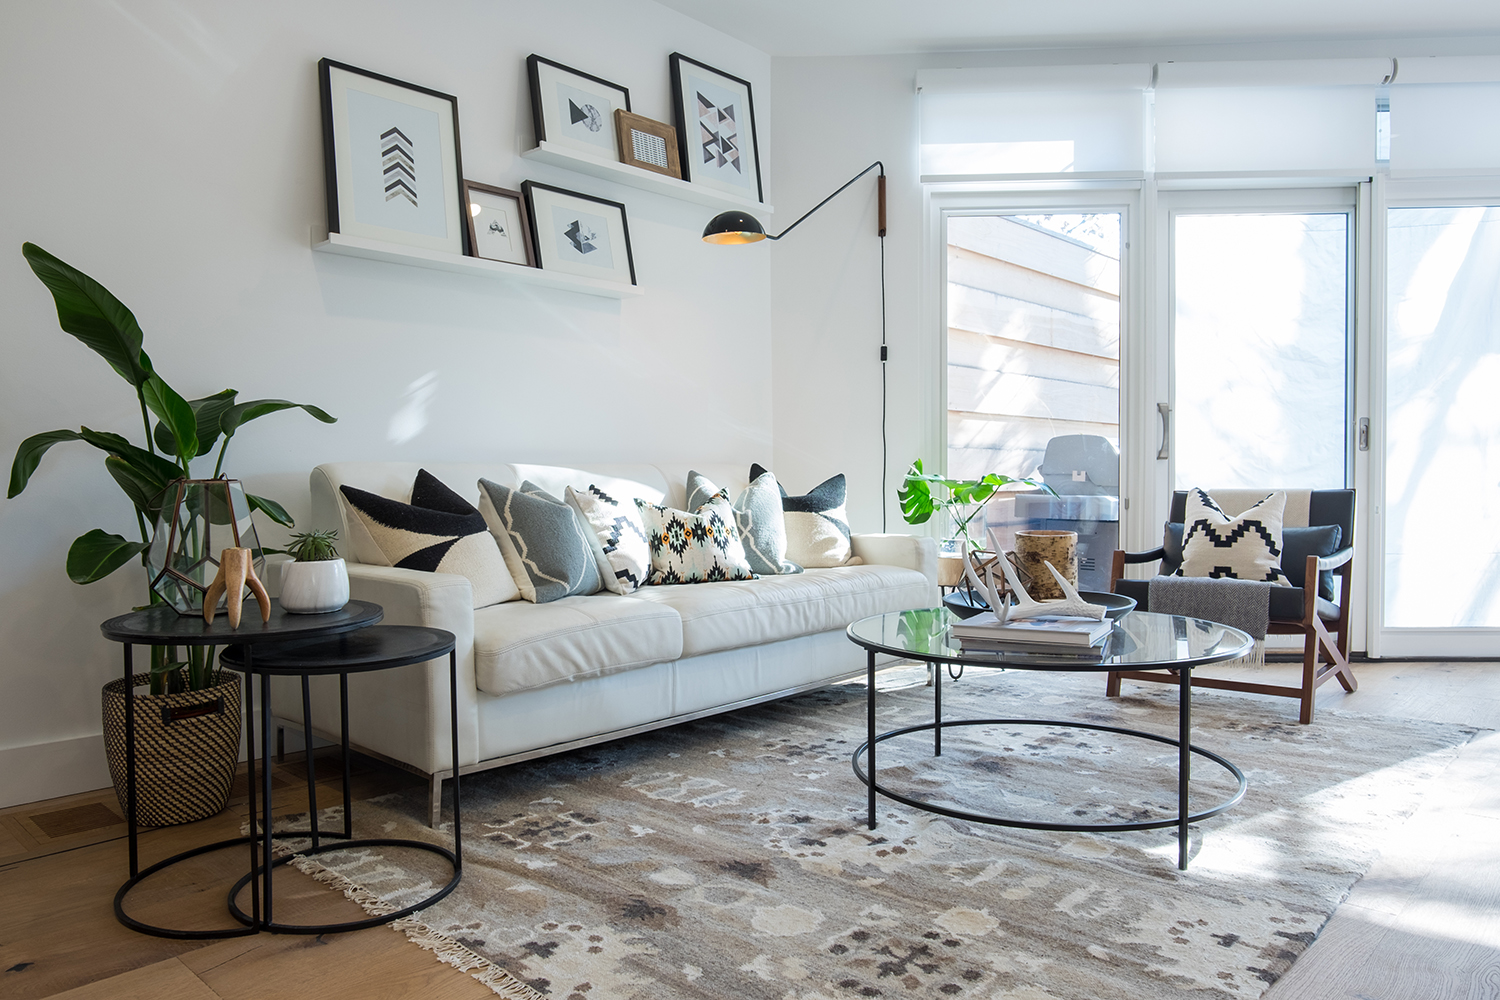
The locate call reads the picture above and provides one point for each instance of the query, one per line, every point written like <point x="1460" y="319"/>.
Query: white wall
<point x="172" y="149"/>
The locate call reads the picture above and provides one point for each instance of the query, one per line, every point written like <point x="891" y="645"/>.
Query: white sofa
<point x="537" y="679"/>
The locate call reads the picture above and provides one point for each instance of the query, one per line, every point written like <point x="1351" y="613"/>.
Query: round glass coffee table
<point x="1140" y="641"/>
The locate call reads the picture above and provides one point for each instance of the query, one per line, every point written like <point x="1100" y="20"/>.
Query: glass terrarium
<point x="199" y="520"/>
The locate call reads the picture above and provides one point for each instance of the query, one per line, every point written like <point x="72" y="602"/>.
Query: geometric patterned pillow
<point x="621" y="534"/>
<point x="1247" y="547"/>
<point x="701" y="547"/>
<point x="549" y="550"/>
<point x="439" y="532"/>
<point x="758" y="515"/>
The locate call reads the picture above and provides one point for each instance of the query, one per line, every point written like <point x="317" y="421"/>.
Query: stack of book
<point x="1084" y="638"/>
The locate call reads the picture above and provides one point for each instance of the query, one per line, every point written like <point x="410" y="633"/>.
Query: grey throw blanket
<point x="1241" y="604"/>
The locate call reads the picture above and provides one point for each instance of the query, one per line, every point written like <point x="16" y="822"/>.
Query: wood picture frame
<point x="717" y="145"/>
<point x="574" y="109"/>
<point x="650" y="145"/>
<point x="499" y="228"/>
<point x="579" y="234"/>
<point x="392" y="159"/>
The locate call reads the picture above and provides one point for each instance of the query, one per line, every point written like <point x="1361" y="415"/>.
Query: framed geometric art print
<point x="715" y="119"/>
<point x="573" y="109"/>
<point x="391" y="159"/>
<point x="579" y="234"/>
<point x="497" y="224"/>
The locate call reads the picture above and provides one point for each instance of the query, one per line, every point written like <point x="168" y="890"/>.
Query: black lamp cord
<point x="884" y="457"/>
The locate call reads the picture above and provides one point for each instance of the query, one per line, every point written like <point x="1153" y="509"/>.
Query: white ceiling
<point x="855" y="27"/>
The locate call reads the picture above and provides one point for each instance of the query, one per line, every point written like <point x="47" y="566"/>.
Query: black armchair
<point x="1313" y="607"/>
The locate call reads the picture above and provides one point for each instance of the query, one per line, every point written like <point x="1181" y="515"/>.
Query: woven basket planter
<point x="186" y="750"/>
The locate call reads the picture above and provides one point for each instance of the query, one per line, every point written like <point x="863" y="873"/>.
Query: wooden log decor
<point x="236" y="572"/>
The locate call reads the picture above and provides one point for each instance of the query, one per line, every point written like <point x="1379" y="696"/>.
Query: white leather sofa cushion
<point x="521" y="646"/>
<point x="738" y="613"/>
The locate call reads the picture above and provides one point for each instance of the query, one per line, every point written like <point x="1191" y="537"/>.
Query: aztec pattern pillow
<point x="438" y="532"/>
<point x="549" y="550"/>
<point x="1296" y="545"/>
<point x="817" y="526"/>
<point x="1247" y="547"/>
<point x="701" y="547"/>
<point x="757" y="513"/>
<point x="623" y="548"/>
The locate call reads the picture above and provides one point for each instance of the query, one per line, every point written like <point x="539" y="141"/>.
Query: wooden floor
<point x="1423" y="923"/>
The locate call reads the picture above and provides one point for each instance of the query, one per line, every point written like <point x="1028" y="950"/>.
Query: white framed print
<point x="497" y="224"/>
<point x="579" y="234"/>
<point x="574" y="109"/>
<point x="391" y="159"/>
<point x="715" y="119"/>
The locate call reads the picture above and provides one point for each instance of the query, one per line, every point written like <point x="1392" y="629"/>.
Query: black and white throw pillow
<point x="548" y="547"/>
<point x="623" y="548"/>
<point x="1247" y="547"/>
<point x="817" y="526"/>
<point x="699" y="547"/>
<point x="758" y="515"/>
<point x="439" y="532"/>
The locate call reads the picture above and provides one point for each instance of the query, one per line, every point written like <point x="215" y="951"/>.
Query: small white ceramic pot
<point x="314" y="588"/>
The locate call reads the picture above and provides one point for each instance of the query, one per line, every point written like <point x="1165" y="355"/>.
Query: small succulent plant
<point x="313" y="546"/>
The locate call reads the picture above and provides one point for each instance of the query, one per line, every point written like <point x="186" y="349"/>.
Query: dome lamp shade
<point x="733" y="227"/>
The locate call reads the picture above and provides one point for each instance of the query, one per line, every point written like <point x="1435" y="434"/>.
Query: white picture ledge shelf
<point x="636" y="177"/>
<point x="436" y="260"/>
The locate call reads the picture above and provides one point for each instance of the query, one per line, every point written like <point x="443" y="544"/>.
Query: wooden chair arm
<point x="1140" y="557"/>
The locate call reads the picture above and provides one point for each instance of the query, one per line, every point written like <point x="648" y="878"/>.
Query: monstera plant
<point x="175" y="433"/>
<point x="962" y="498"/>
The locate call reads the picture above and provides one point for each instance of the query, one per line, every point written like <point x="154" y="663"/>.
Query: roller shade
<point x="1445" y="114"/>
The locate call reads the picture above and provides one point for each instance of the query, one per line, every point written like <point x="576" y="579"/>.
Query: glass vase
<point x="201" y="518"/>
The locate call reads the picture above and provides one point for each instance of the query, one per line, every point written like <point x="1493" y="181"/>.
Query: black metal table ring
<point x="348" y="925"/>
<point x="1058" y="827"/>
<point x="199" y="935"/>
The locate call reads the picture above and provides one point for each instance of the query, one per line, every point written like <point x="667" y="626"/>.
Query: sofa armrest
<point x="403" y="713"/>
<point x="917" y="552"/>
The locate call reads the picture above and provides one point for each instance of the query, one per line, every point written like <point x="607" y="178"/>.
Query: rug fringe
<point x="444" y="948"/>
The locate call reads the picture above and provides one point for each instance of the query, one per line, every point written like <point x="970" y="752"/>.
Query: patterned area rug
<point x="730" y="857"/>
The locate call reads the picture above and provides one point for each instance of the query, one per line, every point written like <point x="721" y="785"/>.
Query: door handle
<point x="1164" y="410"/>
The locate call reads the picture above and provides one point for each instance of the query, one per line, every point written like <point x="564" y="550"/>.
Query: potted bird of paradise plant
<point x="185" y="767"/>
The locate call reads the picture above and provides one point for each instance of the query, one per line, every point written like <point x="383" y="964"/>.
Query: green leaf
<point x="29" y="456"/>
<point x="146" y="463"/>
<point x="97" y="554"/>
<point x="174" y="411"/>
<point x="271" y="509"/>
<point x="243" y="413"/>
<point x="207" y="410"/>
<point x="88" y="311"/>
<point x="144" y="490"/>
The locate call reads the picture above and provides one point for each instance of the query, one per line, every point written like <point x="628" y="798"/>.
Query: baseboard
<point x="48" y="770"/>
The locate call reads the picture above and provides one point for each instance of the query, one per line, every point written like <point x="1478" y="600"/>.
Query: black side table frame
<point x="161" y="625"/>
<point x="379" y="648"/>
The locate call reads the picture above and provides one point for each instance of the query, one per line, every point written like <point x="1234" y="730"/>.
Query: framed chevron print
<point x="572" y="109"/>
<point x="715" y="120"/>
<point x="579" y="234"/>
<point x="391" y="160"/>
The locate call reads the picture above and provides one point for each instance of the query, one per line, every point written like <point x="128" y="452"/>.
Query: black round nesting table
<point x="161" y="625"/>
<point x="380" y="647"/>
<point x="1140" y="641"/>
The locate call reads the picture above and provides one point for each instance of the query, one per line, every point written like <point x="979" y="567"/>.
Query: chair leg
<point x="435" y="801"/>
<point x="1309" y="678"/>
<point x="1112" y="689"/>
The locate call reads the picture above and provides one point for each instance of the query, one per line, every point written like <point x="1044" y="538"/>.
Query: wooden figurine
<point x="236" y="571"/>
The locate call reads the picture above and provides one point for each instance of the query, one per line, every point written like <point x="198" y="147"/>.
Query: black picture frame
<point x="545" y="246"/>
<point x="340" y="217"/>
<point x="606" y="121"/>
<point x="690" y="147"/>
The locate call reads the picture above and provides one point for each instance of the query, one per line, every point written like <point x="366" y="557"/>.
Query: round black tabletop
<point x="161" y="625"/>
<point x="1141" y="640"/>
<point x="377" y="648"/>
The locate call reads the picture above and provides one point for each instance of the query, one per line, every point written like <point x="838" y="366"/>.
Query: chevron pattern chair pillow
<point x="1247" y="547"/>
<point x="440" y="532"/>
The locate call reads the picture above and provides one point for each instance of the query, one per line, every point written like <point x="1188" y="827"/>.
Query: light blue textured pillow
<point x="757" y="514"/>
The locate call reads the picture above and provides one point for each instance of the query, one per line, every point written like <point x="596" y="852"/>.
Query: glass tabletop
<point x="1140" y="641"/>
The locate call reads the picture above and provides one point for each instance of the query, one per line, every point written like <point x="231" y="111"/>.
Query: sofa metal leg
<point x="435" y="801"/>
